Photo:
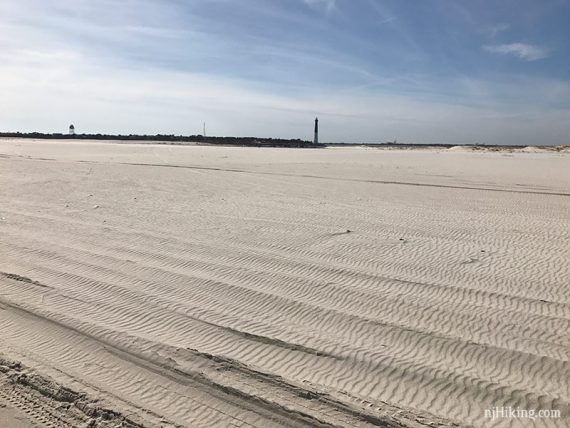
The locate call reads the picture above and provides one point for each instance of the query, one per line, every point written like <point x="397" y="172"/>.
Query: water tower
<point x="71" y="129"/>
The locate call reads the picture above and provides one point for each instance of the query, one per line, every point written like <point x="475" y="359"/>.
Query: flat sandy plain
<point x="147" y="285"/>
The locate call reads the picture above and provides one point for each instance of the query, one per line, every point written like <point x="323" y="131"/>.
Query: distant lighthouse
<point x="316" y="139"/>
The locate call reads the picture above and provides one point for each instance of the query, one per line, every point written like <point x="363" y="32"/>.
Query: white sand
<point x="176" y="283"/>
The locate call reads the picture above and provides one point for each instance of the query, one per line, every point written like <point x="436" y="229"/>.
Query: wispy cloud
<point x="495" y="30"/>
<point x="386" y="20"/>
<point x="521" y="50"/>
<point x="327" y="5"/>
<point x="101" y="98"/>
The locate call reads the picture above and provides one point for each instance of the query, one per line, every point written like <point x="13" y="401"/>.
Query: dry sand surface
<point x="146" y="285"/>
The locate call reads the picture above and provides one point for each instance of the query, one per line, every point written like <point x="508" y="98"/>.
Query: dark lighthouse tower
<point x="316" y="139"/>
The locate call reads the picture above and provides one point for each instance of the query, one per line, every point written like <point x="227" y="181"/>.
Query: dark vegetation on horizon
<point x="231" y="141"/>
<point x="235" y="141"/>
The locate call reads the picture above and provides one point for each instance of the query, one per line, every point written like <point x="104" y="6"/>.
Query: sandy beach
<point x="166" y="286"/>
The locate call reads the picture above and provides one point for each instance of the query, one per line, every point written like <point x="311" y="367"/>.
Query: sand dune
<point x="215" y="286"/>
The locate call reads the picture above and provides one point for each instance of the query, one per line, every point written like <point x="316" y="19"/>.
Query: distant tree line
<point x="231" y="141"/>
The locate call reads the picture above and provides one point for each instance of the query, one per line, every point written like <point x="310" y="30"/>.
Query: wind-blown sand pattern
<point x="214" y="286"/>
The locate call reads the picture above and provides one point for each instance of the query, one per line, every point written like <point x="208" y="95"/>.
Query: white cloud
<point x="522" y="50"/>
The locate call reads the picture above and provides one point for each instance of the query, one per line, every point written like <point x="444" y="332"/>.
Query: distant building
<point x="71" y="130"/>
<point x="316" y="139"/>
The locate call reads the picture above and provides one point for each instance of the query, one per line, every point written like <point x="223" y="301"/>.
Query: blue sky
<point x="453" y="71"/>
